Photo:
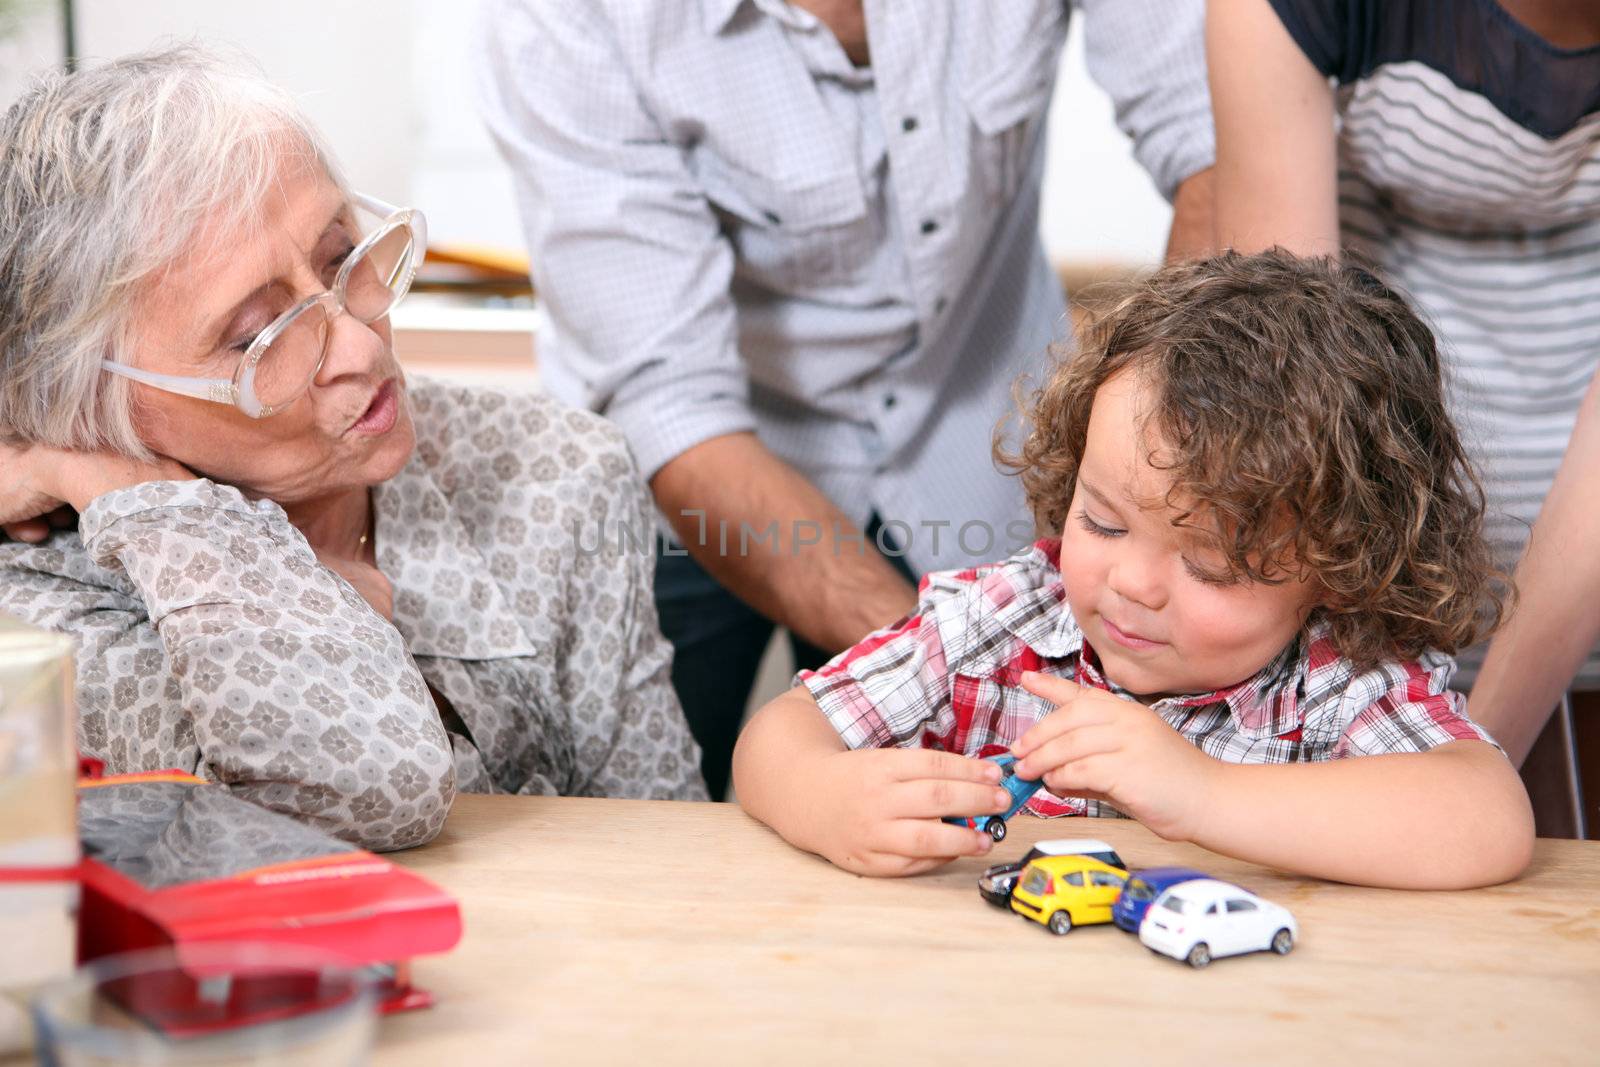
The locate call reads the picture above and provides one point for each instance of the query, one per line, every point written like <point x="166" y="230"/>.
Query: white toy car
<point x="1205" y="919"/>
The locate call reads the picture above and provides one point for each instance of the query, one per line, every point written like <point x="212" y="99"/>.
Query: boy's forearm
<point x="772" y="761"/>
<point x="1451" y="818"/>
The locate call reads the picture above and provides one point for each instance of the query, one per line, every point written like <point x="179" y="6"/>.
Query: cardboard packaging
<point x="172" y="861"/>
<point x="38" y="832"/>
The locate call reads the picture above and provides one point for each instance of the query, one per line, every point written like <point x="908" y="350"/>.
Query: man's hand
<point x="1099" y="746"/>
<point x="877" y="811"/>
<point x="41" y="487"/>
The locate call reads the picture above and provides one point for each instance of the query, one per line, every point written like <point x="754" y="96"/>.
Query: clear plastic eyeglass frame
<point x="239" y="391"/>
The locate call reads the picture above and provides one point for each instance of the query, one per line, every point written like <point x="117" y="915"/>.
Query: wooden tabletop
<point x="609" y="931"/>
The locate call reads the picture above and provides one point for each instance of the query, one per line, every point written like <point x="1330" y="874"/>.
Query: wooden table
<point x="606" y="931"/>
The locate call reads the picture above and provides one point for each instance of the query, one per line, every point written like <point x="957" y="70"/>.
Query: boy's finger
<point x="1052" y="725"/>
<point x="1058" y="691"/>
<point x="912" y="764"/>
<point x="936" y="798"/>
<point x="1065" y="748"/>
<point x="932" y="839"/>
<point x="1095" y="777"/>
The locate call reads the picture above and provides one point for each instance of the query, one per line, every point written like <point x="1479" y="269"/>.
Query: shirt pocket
<point x="1007" y="107"/>
<point x="792" y="233"/>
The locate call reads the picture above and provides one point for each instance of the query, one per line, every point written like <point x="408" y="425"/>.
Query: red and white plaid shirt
<point x="947" y="677"/>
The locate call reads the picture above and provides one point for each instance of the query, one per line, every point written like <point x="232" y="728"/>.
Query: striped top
<point x="1469" y="173"/>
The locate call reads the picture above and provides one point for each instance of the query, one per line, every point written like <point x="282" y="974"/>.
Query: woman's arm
<point x="1453" y="817"/>
<point x="1556" y="621"/>
<point x="615" y="649"/>
<point x="1276" y="173"/>
<point x="211" y="639"/>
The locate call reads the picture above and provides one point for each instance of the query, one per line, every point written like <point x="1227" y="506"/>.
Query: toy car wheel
<point x="1060" y="923"/>
<point x="1282" y="942"/>
<point x="1199" y="956"/>
<point x="997" y="829"/>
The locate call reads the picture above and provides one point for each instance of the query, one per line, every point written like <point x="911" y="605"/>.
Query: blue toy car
<point x="1142" y="888"/>
<point x="1019" y="788"/>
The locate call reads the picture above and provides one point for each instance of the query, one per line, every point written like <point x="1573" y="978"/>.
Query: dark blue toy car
<point x="1141" y="890"/>
<point x="1019" y="788"/>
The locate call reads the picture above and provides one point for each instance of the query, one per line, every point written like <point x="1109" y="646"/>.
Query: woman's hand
<point x="877" y="811"/>
<point x="41" y="487"/>
<point x="1099" y="746"/>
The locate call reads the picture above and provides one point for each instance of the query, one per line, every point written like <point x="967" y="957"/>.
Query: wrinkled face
<point x="1141" y="587"/>
<point x="351" y="429"/>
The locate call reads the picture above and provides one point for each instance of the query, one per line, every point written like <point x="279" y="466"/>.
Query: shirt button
<point x="908" y="123"/>
<point x="929" y="226"/>
<point x="772" y="217"/>
<point x="939" y="305"/>
<point x="889" y="401"/>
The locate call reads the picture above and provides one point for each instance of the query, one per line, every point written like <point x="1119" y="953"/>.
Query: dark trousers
<point x="717" y="643"/>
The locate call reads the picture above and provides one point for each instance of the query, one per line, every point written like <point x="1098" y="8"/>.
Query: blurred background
<point x="391" y="83"/>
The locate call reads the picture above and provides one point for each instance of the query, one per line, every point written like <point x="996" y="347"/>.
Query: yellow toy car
<point x="1061" y="892"/>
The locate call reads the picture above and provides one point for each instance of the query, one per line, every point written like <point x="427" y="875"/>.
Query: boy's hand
<point x="1098" y="746"/>
<point x="878" y="810"/>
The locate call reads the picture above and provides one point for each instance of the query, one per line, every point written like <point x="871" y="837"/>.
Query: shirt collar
<point x="1036" y="611"/>
<point x="718" y="13"/>
<point x="1267" y="704"/>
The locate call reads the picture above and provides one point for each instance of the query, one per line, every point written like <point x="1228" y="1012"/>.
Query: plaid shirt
<point x="947" y="677"/>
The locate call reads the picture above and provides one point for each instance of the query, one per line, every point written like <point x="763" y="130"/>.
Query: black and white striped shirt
<point x="1469" y="172"/>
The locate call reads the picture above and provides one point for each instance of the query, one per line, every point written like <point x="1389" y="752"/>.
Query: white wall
<point x="349" y="62"/>
<point x="391" y="83"/>
<point x="1100" y="207"/>
<point x="35" y="42"/>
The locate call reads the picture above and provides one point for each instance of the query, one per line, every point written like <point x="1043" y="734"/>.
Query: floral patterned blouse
<point x="212" y="640"/>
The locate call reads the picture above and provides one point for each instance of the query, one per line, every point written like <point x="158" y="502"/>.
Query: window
<point x="1139" y="890"/>
<point x="1034" y="880"/>
<point x="1106" y="878"/>
<point x="1173" y="902"/>
<point x="1240" y="905"/>
<point x="1211" y="910"/>
<point x="1075" y="878"/>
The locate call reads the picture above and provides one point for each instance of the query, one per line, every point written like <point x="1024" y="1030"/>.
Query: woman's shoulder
<point x="512" y="433"/>
<point x="495" y="451"/>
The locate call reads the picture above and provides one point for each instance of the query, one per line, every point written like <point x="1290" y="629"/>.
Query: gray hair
<point x="107" y="177"/>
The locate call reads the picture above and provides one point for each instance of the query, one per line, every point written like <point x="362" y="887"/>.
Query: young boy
<point x="1269" y="538"/>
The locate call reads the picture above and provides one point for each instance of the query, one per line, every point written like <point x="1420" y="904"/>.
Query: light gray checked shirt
<point x="732" y="228"/>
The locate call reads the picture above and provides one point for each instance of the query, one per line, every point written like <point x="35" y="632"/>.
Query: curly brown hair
<point x="1302" y="410"/>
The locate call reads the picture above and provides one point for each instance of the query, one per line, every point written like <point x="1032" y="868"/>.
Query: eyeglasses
<point x="284" y="359"/>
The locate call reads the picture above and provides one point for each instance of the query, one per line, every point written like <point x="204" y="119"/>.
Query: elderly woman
<point x="289" y="570"/>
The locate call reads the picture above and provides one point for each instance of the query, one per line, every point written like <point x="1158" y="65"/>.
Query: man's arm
<point x="1194" y="218"/>
<point x="779" y="544"/>
<point x="633" y="268"/>
<point x="1149" y="57"/>
<point x="1556" y="621"/>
